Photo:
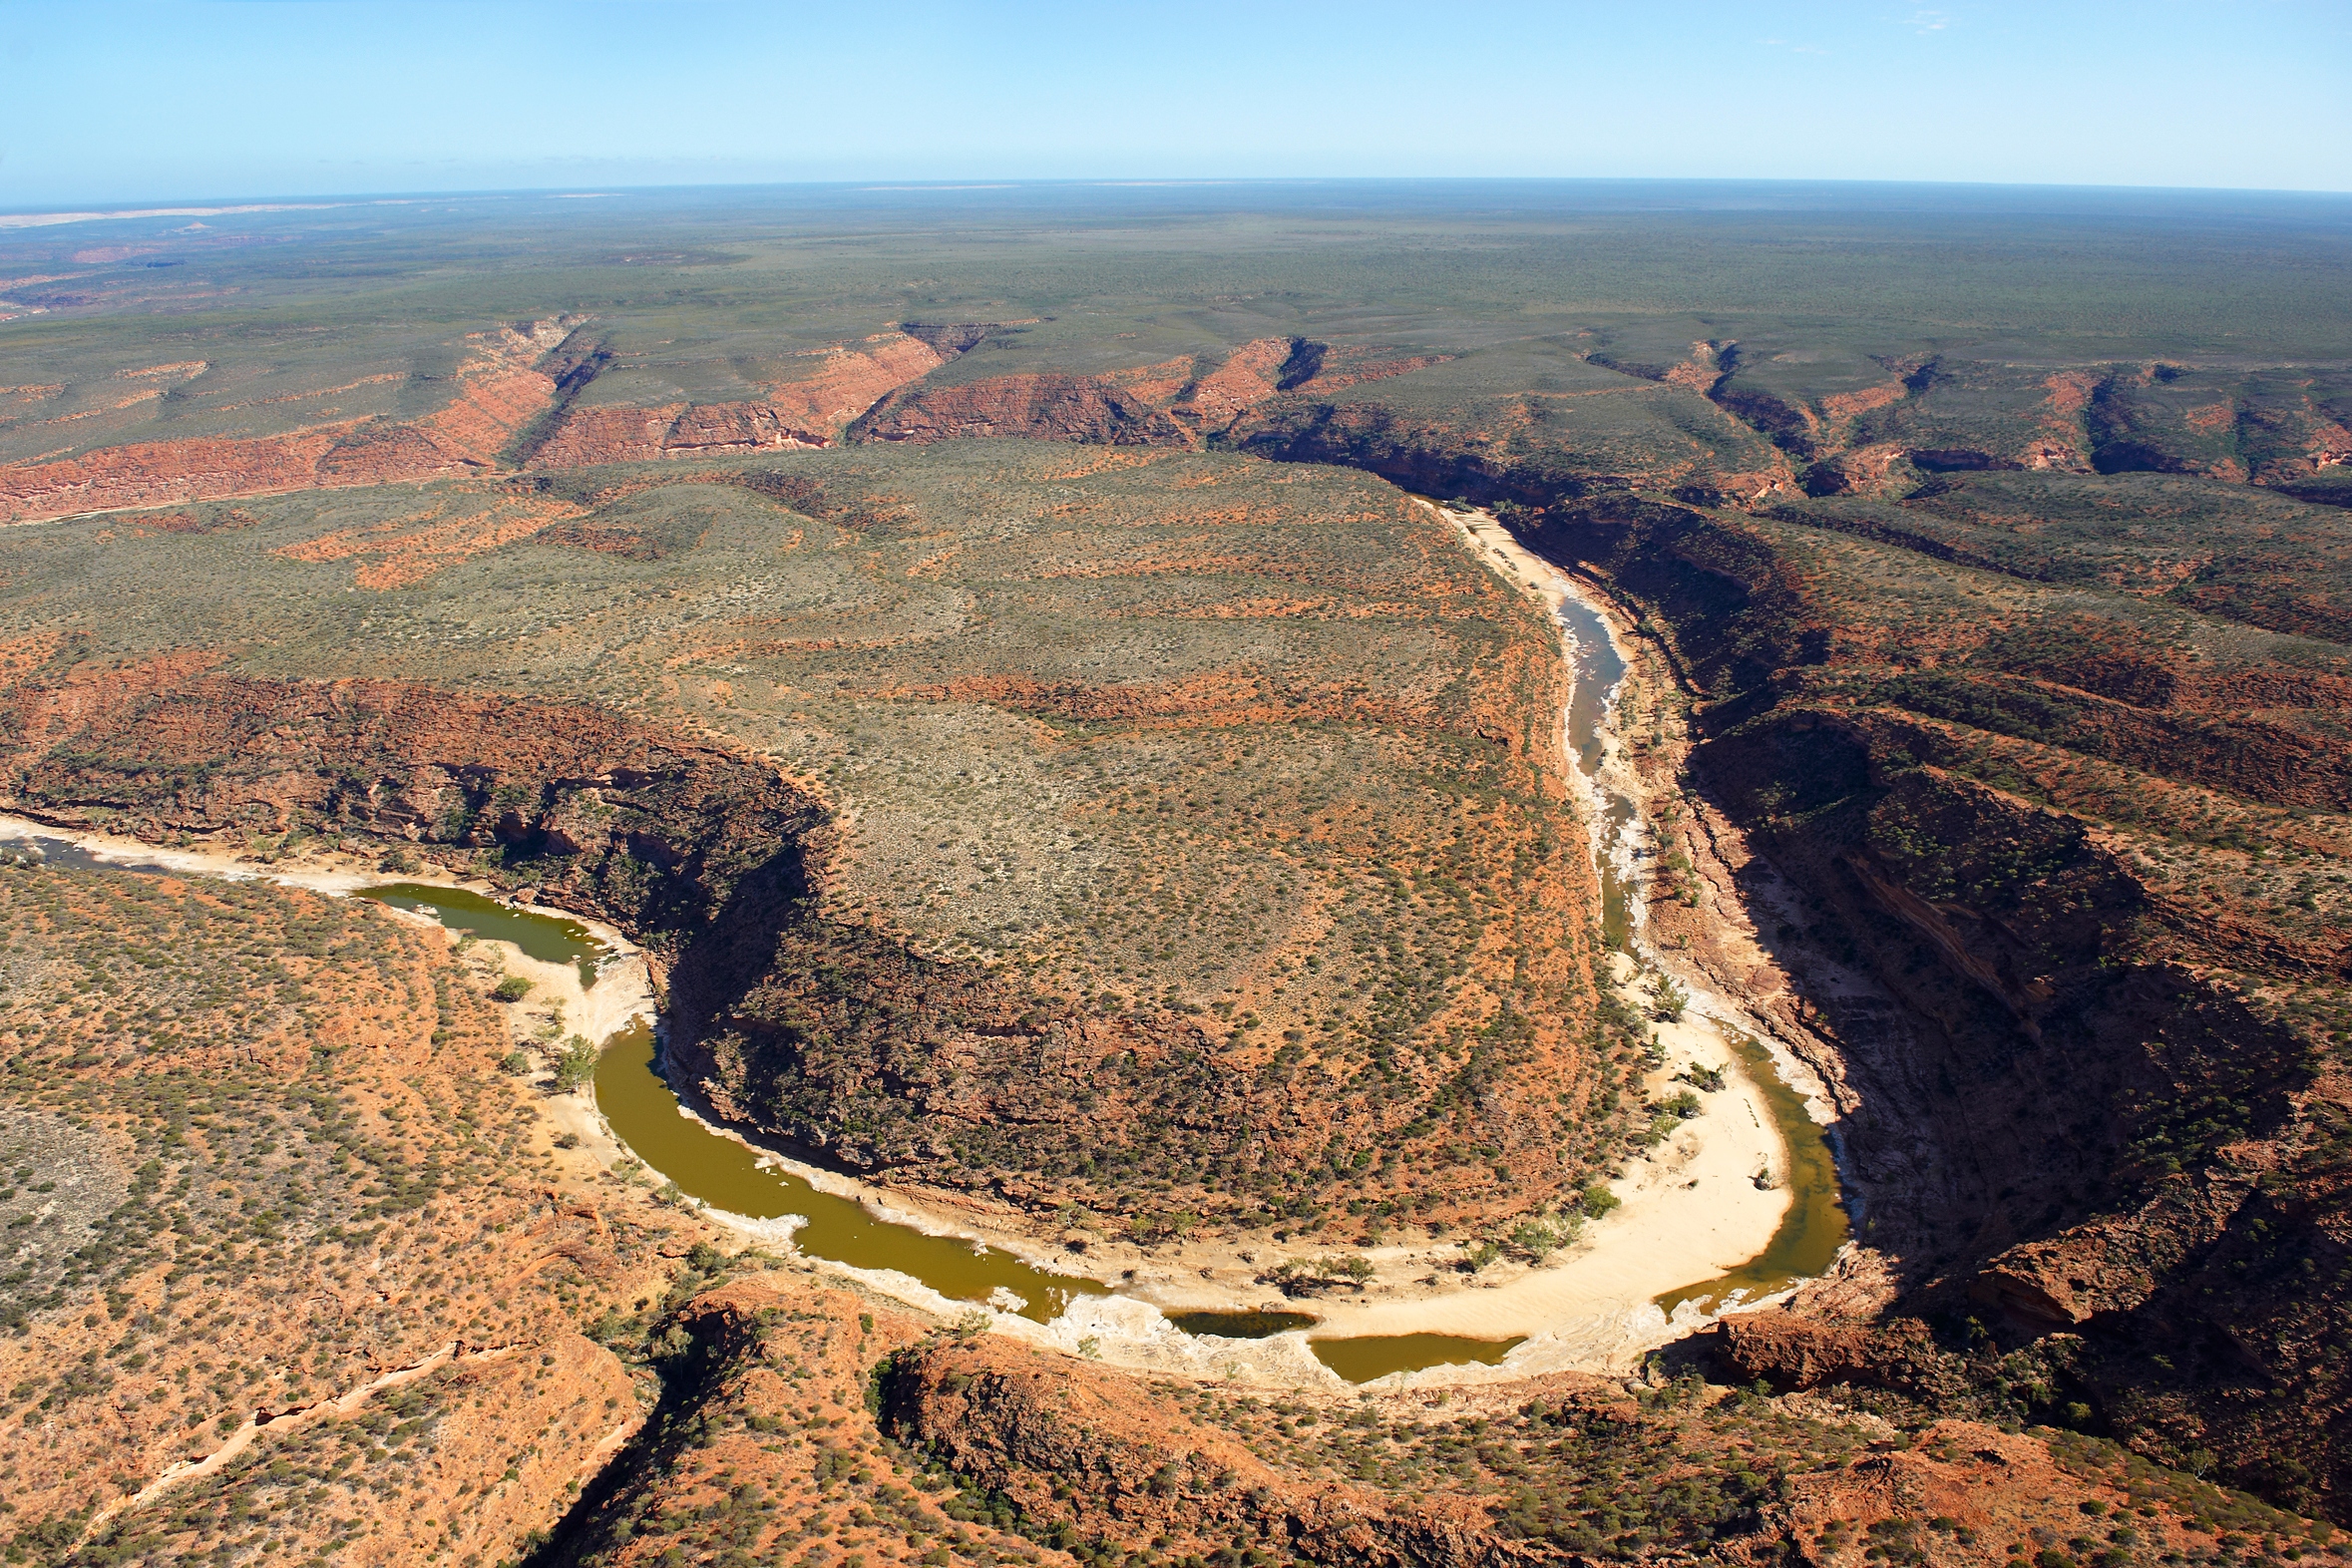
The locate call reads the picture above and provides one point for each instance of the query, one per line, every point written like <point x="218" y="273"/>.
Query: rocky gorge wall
<point x="907" y="1443"/>
<point x="2136" y="1161"/>
<point x="2106" y="1078"/>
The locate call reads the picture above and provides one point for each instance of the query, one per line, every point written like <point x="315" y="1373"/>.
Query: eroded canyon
<point x="1056" y="776"/>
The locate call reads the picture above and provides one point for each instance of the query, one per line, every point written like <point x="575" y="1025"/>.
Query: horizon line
<point x="100" y="211"/>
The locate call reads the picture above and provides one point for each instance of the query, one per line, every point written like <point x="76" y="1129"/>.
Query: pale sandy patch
<point x="1690" y="1212"/>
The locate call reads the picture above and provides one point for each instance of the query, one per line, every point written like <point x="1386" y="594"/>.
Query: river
<point x="1815" y="1226"/>
<point x="712" y="1168"/>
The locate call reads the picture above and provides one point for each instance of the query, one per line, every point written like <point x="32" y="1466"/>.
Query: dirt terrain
<point x="986" y="663"/>
<point x="303" y="1256"/>
<point x="801" y="1427"/>
<point x="1963" y="908"/>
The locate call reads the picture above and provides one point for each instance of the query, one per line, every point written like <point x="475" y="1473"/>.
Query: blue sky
<point x="104" y="102"/>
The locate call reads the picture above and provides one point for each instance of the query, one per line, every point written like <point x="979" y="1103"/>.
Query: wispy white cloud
<point x="1927" y="21"/>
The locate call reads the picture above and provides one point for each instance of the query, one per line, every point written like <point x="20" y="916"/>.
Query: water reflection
<point x="1361" y="1361"/>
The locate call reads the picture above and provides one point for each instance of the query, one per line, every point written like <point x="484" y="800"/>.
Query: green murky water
<point x="643" y="1111"/>
<point x="722" y="1172"/>
<point x="1361" y="1361"/>
<point x="1816" y="1225"/>
<point x="550" y="939"/>
<point x="1241" y="1324"/>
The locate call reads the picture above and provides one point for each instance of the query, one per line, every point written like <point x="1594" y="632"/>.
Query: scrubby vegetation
<point x="259" y="1154"/>
<point x="1123" y="827"/>
<point x="1261" y="772"/>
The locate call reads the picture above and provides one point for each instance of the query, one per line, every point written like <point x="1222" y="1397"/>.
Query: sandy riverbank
<point x="623" y="992"/>
<point x="1691" y="1211"/>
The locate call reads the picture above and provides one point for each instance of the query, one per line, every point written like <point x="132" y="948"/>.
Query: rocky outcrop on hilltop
<point x="842" y="383"/>
<point x="1525" y="447"/>
<point x="524" y="399"/>
<point x="1558" y="1469"/>
<point x="1040" y="406"/>
<point x="765" y="1440"/>
<point x="640" y="435"/>
<point x="1249" y="376"/>
<point x="912" y="1442"/>
<point x="1182" y="403"/>
<point x="1019" y="1423"/>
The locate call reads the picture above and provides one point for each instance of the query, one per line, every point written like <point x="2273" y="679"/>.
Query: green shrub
<point x="513" y="988"/>
<point x="576" y="1065"/>
<point x="1539" y="1240"/>
<point x="1667" y="999"/>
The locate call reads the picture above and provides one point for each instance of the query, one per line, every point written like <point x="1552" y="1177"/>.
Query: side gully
<point x="275" y="1422"/>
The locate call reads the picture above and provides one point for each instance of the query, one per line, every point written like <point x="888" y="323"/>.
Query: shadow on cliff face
<point x="822" y="1032"/>
<point x="2099" y="1161"/>
<point x="2065" y="1062"/>
<point x="853" y="1051"/>
<point x="647" y="830"/>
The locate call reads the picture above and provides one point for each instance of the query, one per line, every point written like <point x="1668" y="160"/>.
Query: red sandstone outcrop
<point x="810" y="411"/>
<point x="1037" y="405"/>
<point x="1253" y="373"/>
<point x="848" y="381"/>
<point x="2112" y="1265"/>
<point x="495" y="396"/>
<point x="644" y="434"/>
<point x="1161" y="405"/>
